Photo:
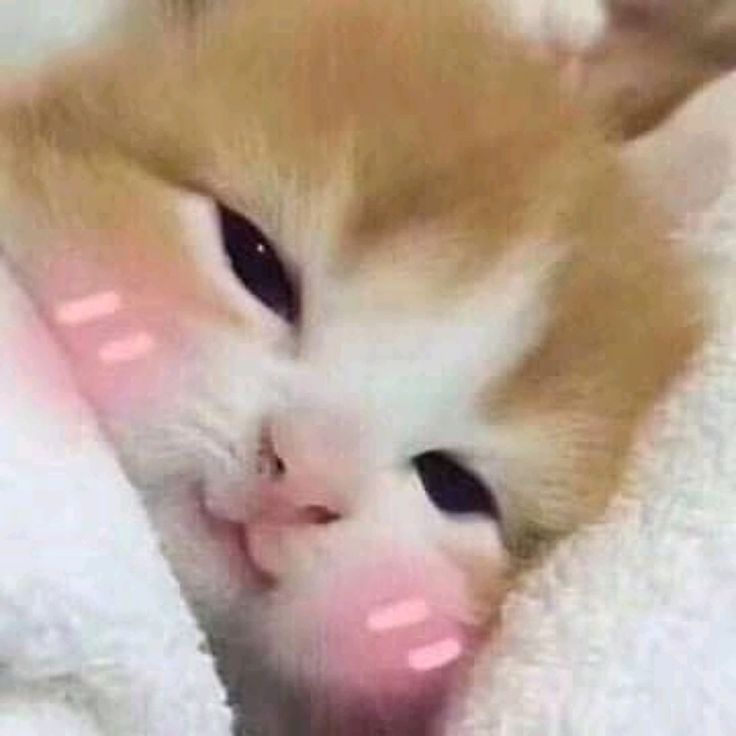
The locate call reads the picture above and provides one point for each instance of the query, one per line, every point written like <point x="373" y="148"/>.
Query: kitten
<point x="471" y="315"/>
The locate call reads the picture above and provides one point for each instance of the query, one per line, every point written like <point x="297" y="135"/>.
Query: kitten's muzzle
<point x="295" y="494"/>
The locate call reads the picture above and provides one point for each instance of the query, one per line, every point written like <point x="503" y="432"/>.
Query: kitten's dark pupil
<point x="452" y="488"/>
<point x="254" y="261"/>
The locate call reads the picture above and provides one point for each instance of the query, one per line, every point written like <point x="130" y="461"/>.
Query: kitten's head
<point x="475" y="314"/>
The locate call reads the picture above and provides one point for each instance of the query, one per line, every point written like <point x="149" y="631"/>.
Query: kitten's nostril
<point x="270" y="464"/>
<point x="320" y="515"/>
<point x="278" y="467"/>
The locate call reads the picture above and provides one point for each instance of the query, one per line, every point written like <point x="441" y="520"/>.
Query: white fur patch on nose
<point x="411" y="377"/>
<point x="316" y="448"/>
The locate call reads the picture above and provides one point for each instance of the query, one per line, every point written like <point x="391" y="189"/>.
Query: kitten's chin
<point x="385" y="643"/>
<point x="232" y="539"/>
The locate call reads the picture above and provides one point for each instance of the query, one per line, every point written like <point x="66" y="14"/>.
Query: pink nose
<point x="305" y="458"/>
<point x="293" y="502"/>
<point x="303" y="470"/>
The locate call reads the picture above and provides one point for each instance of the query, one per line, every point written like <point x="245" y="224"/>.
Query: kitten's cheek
<point x="120" y="346"/>
<point x="396" y="629"/>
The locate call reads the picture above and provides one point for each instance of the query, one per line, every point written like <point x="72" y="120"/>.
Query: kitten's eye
<point x="452" y="488"/>
<point x="257" y="266"/>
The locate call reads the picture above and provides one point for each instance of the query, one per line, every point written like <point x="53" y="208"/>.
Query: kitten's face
<point x="484" y="315"/>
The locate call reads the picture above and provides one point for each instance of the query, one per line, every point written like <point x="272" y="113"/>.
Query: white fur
<point x="413" y="378"/>
<point x="574" y="25"/>
<point x="32" y="31"/>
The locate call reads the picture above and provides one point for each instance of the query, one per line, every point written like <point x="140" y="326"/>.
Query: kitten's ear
<point x="688" y="162"/>
<point x="653" y="55"/>
<point x="632" y="83"/>
<point x="631" y="62"/>
<point x="136" y="98"/>
<point x="659" y="66"/>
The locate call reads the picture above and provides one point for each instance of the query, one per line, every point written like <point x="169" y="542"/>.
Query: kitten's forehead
<point x="414" y="375"/>
<point x="415" y="134"/>
<point x="443" y="121"/>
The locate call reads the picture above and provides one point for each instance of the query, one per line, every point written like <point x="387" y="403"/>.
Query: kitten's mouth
<point x="235" y="537"/>
<point x="263" y="579"/>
